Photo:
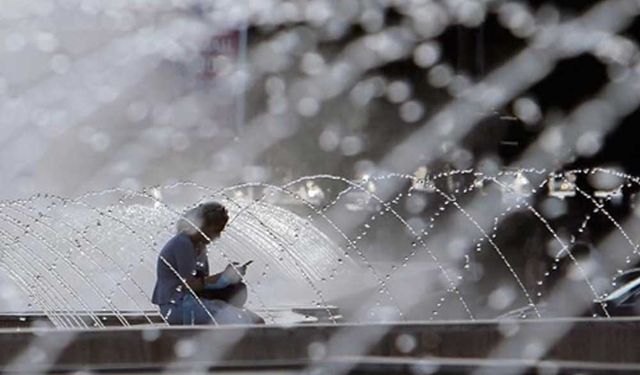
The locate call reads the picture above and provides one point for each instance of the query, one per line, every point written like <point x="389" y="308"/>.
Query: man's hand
<point x="234" y="272"/>
<point x="242" y="269"/>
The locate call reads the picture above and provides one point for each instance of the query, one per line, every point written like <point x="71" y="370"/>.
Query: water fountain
<point x="87" y="263"/>
<point x="83" y="261"/>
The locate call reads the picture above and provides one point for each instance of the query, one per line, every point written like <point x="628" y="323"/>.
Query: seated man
<point x="184" y="290"/>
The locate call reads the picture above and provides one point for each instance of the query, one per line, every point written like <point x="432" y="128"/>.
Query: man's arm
<point x="216" y="281"/>
<point x="186" y="266"/>
<point x="196" y="283"/>
<point x="231" y="275"/>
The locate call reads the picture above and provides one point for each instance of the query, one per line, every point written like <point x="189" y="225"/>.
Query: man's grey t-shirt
<point x="180" y="253"/>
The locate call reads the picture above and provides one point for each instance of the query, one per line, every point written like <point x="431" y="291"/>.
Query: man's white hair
<point x="191" y="221"/>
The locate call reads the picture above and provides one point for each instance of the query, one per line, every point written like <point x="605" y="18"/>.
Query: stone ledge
<point x="588" y="340"/>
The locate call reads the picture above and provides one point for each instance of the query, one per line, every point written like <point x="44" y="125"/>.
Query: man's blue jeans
<point x="189" y="311"/>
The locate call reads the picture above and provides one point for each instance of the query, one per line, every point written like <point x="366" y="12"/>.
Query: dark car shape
<point x="624" y="300"/>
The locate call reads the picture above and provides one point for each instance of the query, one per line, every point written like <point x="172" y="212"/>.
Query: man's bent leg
<point x="235" y="295"/>
<point x="171" y="313"/>
<point x="200" y="312"/>
<point x="230" y="314"/>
